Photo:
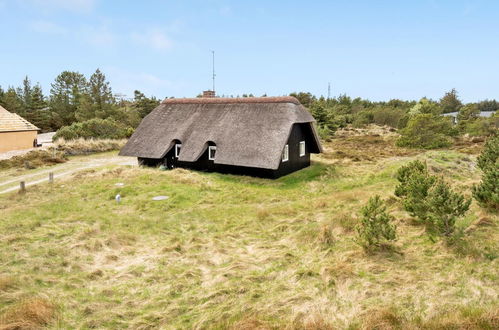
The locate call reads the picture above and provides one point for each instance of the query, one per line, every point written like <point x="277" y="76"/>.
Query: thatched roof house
<point x="16" y="133"/>
<point x="239" y="135"/>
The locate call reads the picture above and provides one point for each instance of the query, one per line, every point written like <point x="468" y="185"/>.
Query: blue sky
<point x="372" y="49"/>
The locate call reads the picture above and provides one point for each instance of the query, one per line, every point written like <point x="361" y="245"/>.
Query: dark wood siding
<point x="299" y="132"/>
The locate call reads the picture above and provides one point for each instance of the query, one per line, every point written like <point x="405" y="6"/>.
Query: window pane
<point x="285" y="153"/>
<point x="211" y="152"/>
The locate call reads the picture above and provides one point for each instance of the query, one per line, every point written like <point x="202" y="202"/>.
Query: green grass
<point x="230" y="251"/>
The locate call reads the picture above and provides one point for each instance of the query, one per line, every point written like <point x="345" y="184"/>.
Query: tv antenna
<point x="213" y="72"/>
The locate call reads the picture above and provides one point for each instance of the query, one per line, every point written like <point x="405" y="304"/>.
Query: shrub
<point x="392" y="117"/>
<point x="429" y="199"/>
<point x="444" y="208"/>
<point x="415" y="184"/>
<point x="490" y="154"/>
<point x="426" y="131"/>
<point x="487" y="191"/>
<point x="375" y="225"/>
<point x="94" y="128"/>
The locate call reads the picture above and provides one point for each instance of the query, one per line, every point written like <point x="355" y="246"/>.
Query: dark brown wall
<point x="299" y="132"/>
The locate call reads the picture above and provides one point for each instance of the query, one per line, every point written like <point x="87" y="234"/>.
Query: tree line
<point x="87" y="107"/>
<point x="420" y="123"/>
<point x="73" y="99"/>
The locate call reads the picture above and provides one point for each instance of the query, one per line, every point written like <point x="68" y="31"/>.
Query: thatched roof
<point x="248" y="132"/>
<point x="11" y="122"/>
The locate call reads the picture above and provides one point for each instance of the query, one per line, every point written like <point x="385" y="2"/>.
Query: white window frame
<point x="302" y="149"/>
<point x="178" y="147"/>
<point x="285" y="153"/>
<point x="210" y="148"/>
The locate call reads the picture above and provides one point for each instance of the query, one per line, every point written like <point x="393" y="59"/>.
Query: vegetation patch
<point x="231" y="251"/>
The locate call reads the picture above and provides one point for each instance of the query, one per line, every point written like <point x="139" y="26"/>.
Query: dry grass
<point x="33" y="159"/>
<point x="47" y="157"/>
<point x="88" y="146"/>
<point x="232" y="252"/>
<point x="29" y="314"/>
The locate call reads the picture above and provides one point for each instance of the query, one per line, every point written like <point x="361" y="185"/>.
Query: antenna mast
<point x="213" y="73"/>
<point x="328" y="90"/>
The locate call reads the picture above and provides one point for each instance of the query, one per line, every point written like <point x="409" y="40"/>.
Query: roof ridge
<point x="232" y="100"/>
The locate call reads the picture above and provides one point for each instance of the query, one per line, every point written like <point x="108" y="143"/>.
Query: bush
<point x="479" y="126"/>
<point x="487" y="191"/>
<point x="376" y="225"/>
<point x="490" y="154"/>
<point x="444" y="208"/>
<point x="426" y="131"/>
<point x="393" y="117"/>
<point x="429" y="199"/>
<point x="94" y="128"/>
<point x="415" y="184"/>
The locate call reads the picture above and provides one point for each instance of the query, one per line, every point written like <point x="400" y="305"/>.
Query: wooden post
<point x="22" y="187"/>
<point x="51" y="177"/>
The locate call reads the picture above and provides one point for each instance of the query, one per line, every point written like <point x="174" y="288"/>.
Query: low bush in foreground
<point x="487" y="191"/>
<point x="376" y="225"/>
<point x="430" y="200"/>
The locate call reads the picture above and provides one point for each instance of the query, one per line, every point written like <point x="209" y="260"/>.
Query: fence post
<point x="22" y="187"/>
<point x="51" y="177"/>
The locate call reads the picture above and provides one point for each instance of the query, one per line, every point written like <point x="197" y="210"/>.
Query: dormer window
<point x="285" y="153"/>
<point x="302" y="148"/>
<point x="178" y="146"/>
<point x="211" y="152"/>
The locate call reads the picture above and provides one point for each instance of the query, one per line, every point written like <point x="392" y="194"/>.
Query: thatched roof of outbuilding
<point x="248" y="132"/>
<point x="11" y="122"/>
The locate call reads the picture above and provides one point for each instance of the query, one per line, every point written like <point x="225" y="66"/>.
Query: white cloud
<point x="155" y="39"/>
<point x="48" y="27"/>
<point x="78" y="6"/>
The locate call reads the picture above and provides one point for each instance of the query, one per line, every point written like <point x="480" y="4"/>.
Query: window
<point x="178" y="146"/>
<point x="211" y="152"/>
<point x="285" y="153"/>
<point x="302" y="148"/>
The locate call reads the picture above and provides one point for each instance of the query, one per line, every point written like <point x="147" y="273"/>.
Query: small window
<point x="178" y="146"/>
<point x="285" y="153"/>
<point x="302" y="148"/>
<point x="211" y="152"/>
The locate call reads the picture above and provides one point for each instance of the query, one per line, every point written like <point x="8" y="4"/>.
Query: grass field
<point x="243" y="253"/>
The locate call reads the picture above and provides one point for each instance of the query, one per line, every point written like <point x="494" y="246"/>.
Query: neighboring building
<point x="453" y="115"/>
<point x="16" y="133"/>
<point x="258" y="136"/>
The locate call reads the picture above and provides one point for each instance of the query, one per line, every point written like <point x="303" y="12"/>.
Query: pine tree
<point x="101" y="94"/>
<point x="65" y="95"/>
<point x="25" y="93"/>
<point x="375" y="225"/>
<point x="13" y="102"/>
<point x="487" y="191"/>
<point x="444" y="208"/>
<point x="450" y="102"/>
